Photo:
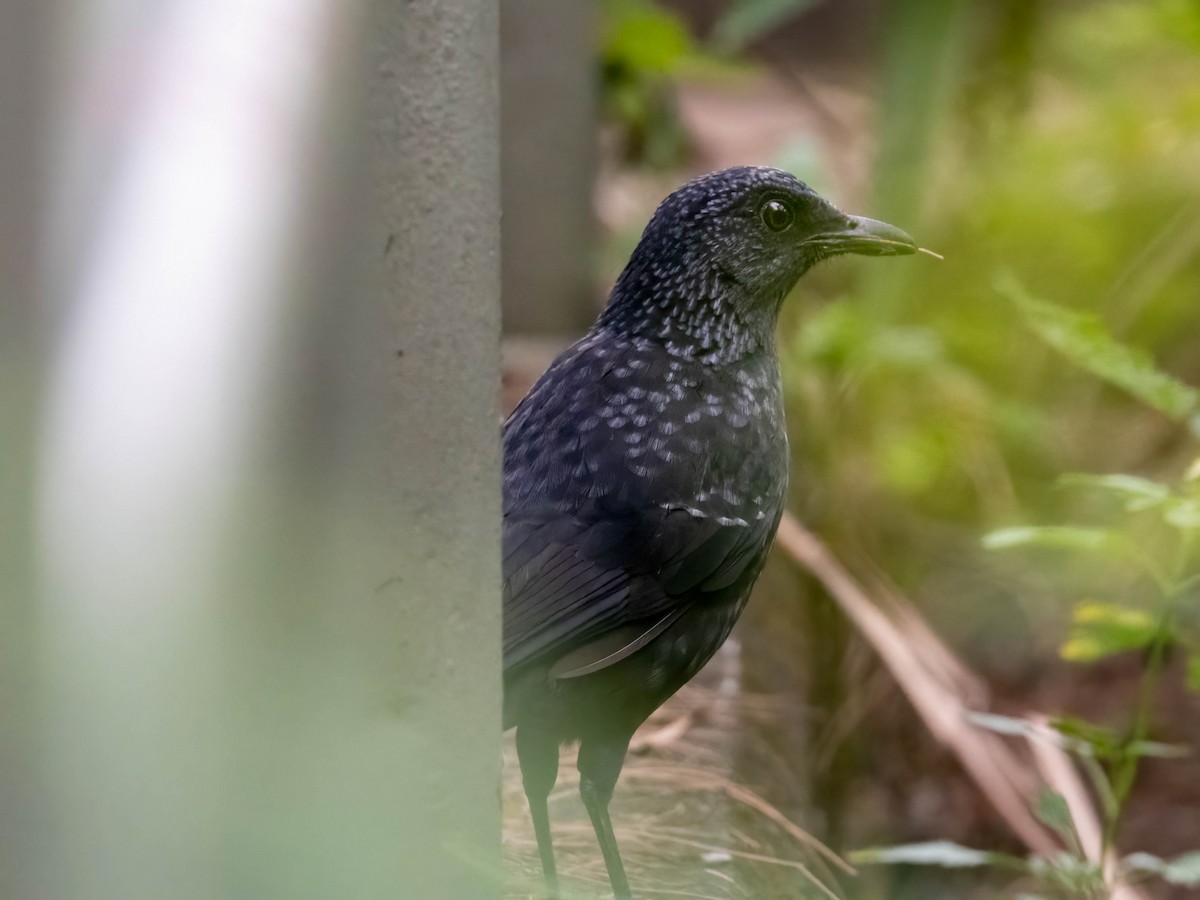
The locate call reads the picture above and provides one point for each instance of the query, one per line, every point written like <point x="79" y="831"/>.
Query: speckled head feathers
<point x="720" y="254"/>
<point x="724" y="193"/>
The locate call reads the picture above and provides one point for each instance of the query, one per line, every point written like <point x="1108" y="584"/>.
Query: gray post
<point x="435" y="127"/>
<point x="24" y="96"/>
<point x="268" y="484"/>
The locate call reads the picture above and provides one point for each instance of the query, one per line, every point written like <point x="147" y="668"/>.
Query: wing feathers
<point x="597" y="591"/>
<point x="612" y="648"/>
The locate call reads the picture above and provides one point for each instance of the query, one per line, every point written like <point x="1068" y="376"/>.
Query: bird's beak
<point x="866" y="236"/>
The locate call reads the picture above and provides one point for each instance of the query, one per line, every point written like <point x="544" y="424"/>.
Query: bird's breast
<point x="708" y="439"/>
<point x="629" y="424"/>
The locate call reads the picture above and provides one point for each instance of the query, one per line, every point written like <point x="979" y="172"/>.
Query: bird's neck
<point x="702" y="317"/>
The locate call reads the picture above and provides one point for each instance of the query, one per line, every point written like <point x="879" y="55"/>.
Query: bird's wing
<point x="585" y="591"/>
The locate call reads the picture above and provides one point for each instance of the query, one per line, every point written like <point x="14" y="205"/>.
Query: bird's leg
<point x="599" y="765"/>
<point x="537" y="753"/>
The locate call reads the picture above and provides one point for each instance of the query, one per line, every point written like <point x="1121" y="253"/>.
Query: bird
<point x="644" y="478"/>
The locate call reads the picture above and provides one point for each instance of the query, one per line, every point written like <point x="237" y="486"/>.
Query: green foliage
<point x="1052" y="811"/>
<point x="643" y="47"/>
<point x="1069" y="873"/>
<point x="1181" y="19"/>
<point x="1183" y="870"/>
<point x="1067" y="537"/>
<point x="1084" y="340"/>
<point x="1138" y="493"/>
<point x="1082" y="738"/>
<point x="644" y="37"/>
<point x="933" y="853"/>
<point x="930" y="407"/>
<point x="1099" y="629"/>
<point x="1057" y="145"/>
<point x="1102" y="629"/>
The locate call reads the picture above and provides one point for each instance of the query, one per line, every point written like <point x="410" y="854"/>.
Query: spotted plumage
<point x="645" y="475"/>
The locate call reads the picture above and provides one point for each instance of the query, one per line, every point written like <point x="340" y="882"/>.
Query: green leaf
<point x="933" y="853"/>
<point x="1087" y="738"/>
<point x="1079" y="877"/>
<point x="1143" y="862"/>
<point x="1139" y="493"/>
<point x="1084" y="340"/>
<point x="1184" y="870"/>
<point x="1182" y="514"/>
<point x="1067" y="537"/>
<point x="1101" y="629"/>
<point x="748" y="20"/>
<point x="909" y="459"/>
<point x="1082" y="736"/>
<point x="646" y="38"/>
<point x="1158" y="750"/>
<point x="1180" y="20"/>
<point x="1193" y="672"/>
<point x="1052" y="811"/>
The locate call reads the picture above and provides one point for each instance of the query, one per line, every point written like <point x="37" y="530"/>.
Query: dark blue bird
<point x="645" y="475"/>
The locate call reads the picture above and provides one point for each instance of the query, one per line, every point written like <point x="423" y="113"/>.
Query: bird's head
<point x="721" y="253"/>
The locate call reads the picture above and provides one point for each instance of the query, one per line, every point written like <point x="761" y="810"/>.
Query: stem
<point x="1127" y="766"/>
<point x="1102" y="785"/>
<point x="1160" y="578"/>
<point x="1126" y="770"/>
<point x="1183" y="552"/>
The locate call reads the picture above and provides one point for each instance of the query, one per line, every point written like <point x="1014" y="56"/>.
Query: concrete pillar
<point x="268" y="507"/>
<point x="435" y="127"/>
<point x="24" y="99"/>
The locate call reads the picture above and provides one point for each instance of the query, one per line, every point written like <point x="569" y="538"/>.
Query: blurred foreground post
<point x="268" y="544"/>
<point x="23" y="114"/>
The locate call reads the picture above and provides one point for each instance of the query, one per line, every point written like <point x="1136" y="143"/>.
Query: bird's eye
<point x="776" y="215"/>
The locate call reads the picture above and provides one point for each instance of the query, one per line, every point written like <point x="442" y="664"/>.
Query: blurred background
<point x="1050" y="150"/>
